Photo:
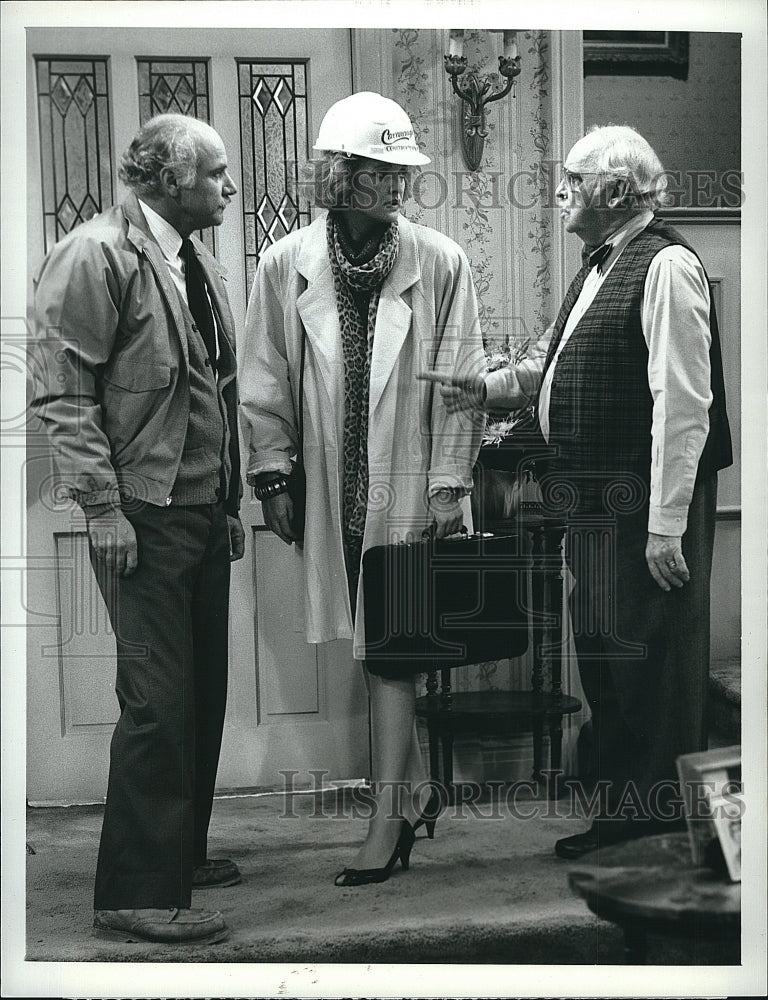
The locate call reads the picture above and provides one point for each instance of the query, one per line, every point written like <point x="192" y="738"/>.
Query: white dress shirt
<point x="169" y="241"/>
<point x="675" y="323"/>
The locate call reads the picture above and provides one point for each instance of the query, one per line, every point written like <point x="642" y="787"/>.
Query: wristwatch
<point x="448" y="494"/>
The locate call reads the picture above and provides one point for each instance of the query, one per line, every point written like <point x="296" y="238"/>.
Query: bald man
<point x="136" y="386"/>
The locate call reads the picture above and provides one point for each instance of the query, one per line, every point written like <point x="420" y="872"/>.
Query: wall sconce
<point x="475" y="91"/>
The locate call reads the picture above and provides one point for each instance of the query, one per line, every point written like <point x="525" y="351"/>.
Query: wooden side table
<point x="650" y="886"/>
<point x="496" y="712"/>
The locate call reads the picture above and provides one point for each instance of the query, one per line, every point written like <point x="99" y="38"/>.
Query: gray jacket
<point x="111" y="361"/>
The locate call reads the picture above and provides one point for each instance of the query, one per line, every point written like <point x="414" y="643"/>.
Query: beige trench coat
<point x="427" y="318"/>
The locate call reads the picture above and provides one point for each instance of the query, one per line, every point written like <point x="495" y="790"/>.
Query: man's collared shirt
<point x="675" y="322"/>
<point x="169" y="240"/>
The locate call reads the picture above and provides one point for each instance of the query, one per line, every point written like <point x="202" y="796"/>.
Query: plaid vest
<point x="601" y="409"/>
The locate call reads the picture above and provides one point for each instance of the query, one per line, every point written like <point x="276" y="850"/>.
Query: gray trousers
<point x="643" y="653"/>
<point x="170" y="622"/>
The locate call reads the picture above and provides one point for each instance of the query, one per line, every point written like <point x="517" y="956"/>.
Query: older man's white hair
<point x="618" y="152"/>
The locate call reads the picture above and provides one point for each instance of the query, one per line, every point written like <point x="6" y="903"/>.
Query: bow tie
<point x="596" y="258"/>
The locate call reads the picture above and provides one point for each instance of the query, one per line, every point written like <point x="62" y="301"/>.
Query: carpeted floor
<point x="486" y="890"/>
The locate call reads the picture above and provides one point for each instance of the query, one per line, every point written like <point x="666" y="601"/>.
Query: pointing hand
<point x="459" y="393"/>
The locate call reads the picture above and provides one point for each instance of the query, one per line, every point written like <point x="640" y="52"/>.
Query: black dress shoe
<point x="367" y="876"/>
<point x="597" y="836"/>
<point x="438" y="799"/>
<point x="577" y="845"/>
<point x="215" y="873"/>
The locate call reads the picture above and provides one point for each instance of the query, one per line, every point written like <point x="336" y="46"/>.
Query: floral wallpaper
<point x="498" y="214"/>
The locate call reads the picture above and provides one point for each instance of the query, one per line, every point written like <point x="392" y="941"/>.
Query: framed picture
<point x="726" y="819"/>
<point x="710" y="783"/>
<point x="636" y="53"/>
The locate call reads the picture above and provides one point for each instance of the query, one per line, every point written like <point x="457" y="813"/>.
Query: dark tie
<point x="596" y="258"/>
<point x="197" y="299"/>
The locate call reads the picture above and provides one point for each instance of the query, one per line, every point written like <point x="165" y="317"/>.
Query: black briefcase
<point x="435" y="604"/>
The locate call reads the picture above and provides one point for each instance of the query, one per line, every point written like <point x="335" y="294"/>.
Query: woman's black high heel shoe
<point x="367" y="876"/>
<point x="431" y="812"/>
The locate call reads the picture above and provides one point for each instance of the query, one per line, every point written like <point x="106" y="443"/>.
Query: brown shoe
<point x="171" y="926"/>
<point x="215" y="873"/>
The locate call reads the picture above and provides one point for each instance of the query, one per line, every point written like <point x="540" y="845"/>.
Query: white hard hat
<point x="369" y="125"/>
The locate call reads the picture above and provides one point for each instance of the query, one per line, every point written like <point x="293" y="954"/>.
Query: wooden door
<point x="292" y="707"/>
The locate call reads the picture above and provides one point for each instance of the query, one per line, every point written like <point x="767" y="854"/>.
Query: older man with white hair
<point x="630" y="401"/>
<point x="136" y="385"/>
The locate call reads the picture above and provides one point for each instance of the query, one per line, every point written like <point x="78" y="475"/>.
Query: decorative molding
<point x="729" y="513"/>
<point x="567" y="128"/>
<point x="701" y="216"/>
<point x="542" y="221"/>
<point x="372" y="62"/>
<point x="415" y="87"/>
<point x="85" y="644"/>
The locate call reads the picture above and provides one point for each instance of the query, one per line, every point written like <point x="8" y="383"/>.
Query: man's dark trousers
<point x="170" y="619"/>
<point x="643" y="653"/>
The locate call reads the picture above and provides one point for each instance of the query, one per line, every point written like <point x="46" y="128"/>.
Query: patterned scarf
<point x="357" y="280"/>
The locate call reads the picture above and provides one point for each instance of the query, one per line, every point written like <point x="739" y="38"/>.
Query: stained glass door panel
<point x="75" y="142"/>
<point x="274" y="144"/>
<point x="176" y="86"/>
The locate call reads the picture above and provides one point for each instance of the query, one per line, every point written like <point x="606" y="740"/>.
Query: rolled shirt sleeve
<point x="455" y="437"/>
<point x="675" y="320"/>
<point x="516" y="386"/>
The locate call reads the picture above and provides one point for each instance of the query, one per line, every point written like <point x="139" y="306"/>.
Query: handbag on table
<point x="443" y="603"/>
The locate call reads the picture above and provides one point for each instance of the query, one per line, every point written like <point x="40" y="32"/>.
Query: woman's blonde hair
<point x="329" y="181"/>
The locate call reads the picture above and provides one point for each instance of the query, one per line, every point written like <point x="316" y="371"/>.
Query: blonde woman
<point x="368" y="300"/>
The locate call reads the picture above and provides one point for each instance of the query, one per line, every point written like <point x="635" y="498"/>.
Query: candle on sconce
<point x="456" y="42"/>
<point x="510" y="44"/>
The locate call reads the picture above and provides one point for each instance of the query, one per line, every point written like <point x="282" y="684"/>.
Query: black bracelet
<point x="271" y="489"/>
